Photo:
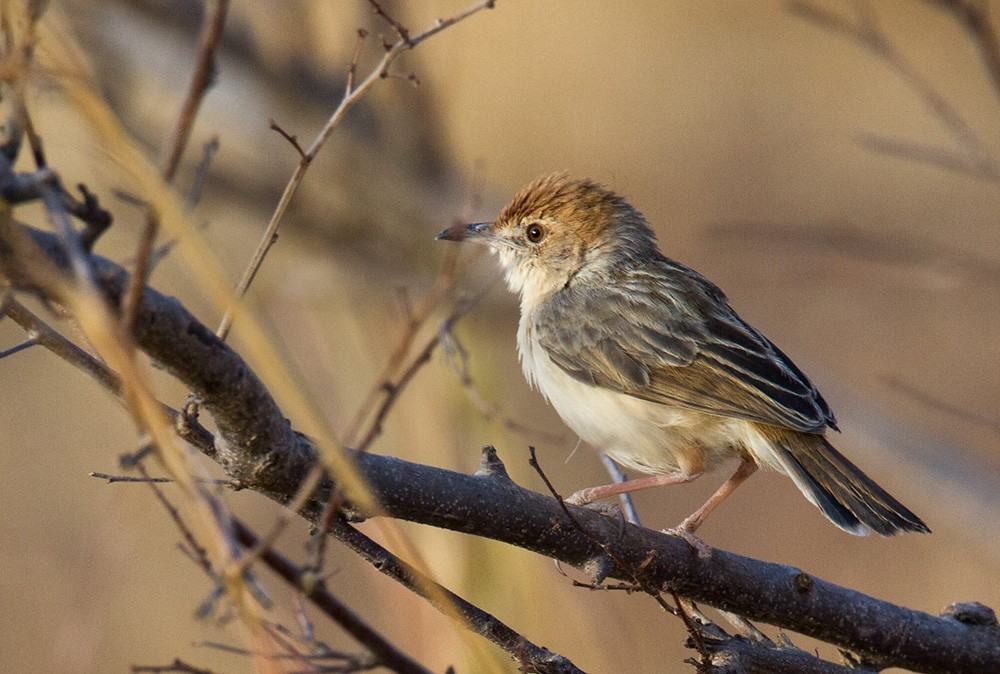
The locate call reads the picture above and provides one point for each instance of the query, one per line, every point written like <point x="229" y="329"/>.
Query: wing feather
<point x="666" y="334"/>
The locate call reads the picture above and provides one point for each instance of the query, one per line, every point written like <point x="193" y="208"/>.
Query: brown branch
<point x="201" y="80"/>
<point x="259" y="449"/>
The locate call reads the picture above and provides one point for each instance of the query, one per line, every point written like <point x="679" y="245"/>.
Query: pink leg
<point x="591" y="494"/>
<point x="687" y="528"/>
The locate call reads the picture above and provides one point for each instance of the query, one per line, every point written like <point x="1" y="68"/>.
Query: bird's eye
<point x="535" y="233"/>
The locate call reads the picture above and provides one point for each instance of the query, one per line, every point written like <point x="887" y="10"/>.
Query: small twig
<point x="305" y="159"/>
<point x="693" y="630"/>
<point x="386" y="652"/>
<point x="200" y="555"/>
<point x="208" y="152"/>
<point x="201" y="79"/>
<point x="352" y="69"/>
<point x="26" y="344"/>
<point x="404" y="34"/>
<point x="113" y="479"/>
<point x="293" y="140"/>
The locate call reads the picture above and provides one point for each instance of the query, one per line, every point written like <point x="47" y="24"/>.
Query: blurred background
<point x="752" y="137"/>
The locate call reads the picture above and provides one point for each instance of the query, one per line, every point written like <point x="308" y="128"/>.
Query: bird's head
<point x="557" y="230"/>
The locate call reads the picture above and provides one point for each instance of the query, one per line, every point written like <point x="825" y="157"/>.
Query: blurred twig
<point x="459" y="359"/>
<point x="974" y="15"/>
<point x="201" y="79"/>
<point x="975" y="158"/>
<point x="924" y="398"/>
<point x="352" y="95"/>
<point x="415" y="320"/>
<point x="388" y="655"/>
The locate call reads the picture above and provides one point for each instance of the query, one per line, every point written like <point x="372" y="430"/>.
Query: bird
<point x="646" y="361"/>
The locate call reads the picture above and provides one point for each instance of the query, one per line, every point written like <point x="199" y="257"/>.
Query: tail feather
<point x="848" y="497"/>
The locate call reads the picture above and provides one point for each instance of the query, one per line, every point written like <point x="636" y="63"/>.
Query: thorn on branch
<point x="490" y="465"/>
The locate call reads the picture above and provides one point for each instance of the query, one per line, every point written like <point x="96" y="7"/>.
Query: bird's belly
<point x="638" y="434"/>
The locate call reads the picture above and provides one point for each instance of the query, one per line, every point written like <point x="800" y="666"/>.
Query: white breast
<point x="640" y="435"/>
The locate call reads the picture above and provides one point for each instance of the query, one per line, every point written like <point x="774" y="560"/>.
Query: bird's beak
<point x="479" y="231"/>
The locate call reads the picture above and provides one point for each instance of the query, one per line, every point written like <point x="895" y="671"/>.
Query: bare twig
<point x="352" y="69"/>
<point x="201" y="80"/>
<point x="974" y="15"/>
<point x="415" y="320"/>
<point x="979" y="159"/>
<point x="403" y="34"/>
<point x="292" y="139"/>
<point x="332" y="607"/>
<point x="26" y="344"/>
<point x="113" y="479"/>
<point x="459" y="359"/>
<point x="351" y="97"/>
<point x="392" y="389"/>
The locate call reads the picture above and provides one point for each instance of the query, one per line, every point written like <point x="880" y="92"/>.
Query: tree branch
<point x="259" y="448"/>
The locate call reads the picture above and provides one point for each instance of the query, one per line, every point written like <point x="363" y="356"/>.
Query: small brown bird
<point x="645" y="360"/>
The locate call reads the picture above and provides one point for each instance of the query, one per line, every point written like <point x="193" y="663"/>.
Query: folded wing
<point x="666" y="334"/>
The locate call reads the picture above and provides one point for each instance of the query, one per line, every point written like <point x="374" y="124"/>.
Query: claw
<point x="611" y="509"/>
<point x="683" y="530"/>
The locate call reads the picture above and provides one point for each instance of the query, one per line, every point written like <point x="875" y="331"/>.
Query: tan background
<point x="734" y="126"/>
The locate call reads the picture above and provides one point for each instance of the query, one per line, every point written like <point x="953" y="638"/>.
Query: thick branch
<point x="266" y="455"/>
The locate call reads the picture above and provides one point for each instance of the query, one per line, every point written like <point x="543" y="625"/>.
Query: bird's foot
<point x="684" y="530"/>
<point x="583" y="497"/>
<point x="609" y="508"/>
